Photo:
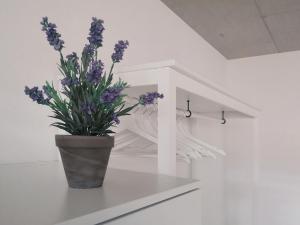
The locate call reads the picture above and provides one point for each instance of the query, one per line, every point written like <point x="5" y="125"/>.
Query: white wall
<point x="155" y="33"/>
<point x="272" y="82"/>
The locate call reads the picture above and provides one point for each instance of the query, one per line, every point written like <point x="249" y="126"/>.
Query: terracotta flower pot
<point x="85" y="159"/>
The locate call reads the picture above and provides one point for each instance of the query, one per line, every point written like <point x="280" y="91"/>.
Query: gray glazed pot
<point x="84" y="158"/>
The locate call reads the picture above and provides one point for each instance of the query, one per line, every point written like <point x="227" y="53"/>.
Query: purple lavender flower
<point x="120" y="47"/>
<point x="110" y="95"/>
<point x="88" y="108"/>
<point x="73" y="59"/>
<point x="27" y="90"/>
<point x="95" y="36"/>
<point x="52" y="36"/>
<point x="69" y="82"/>
<point x="115" y="118"/>
<point x="95" y="71"/>
<point x="88" y="51"/>
<point x="36" y="95"/>
<point x="149" y="98"/>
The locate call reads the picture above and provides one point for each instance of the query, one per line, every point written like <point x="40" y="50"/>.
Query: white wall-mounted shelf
<point x="205" y="95"/>
<point x="178" y="84"/>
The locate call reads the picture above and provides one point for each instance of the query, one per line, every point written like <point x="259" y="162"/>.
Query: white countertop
<point x="38" y="194"/>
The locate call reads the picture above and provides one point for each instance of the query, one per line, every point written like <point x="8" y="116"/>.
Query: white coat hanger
<point x="198" y="149"/>
<point x="200" y="142"/>
<point x="145" y="126"/>
<point x="122" y="136"/>
<point x="187" y="147"/>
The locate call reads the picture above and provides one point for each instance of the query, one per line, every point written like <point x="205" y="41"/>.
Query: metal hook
<point x="188" y="109"/>
<point x="223" y="117"/>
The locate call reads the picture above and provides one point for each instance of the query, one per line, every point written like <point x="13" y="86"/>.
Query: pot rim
<point x="81" y="141"/>
<point x="71" y="135"/>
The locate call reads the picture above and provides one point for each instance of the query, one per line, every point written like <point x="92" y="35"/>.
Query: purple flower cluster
<point x="52" y="36"/>
<point x="120" y="47"/>
<point x="149" y="98"/>
<point x="95" y="71"/>
<point x="115" y="118"/>
<point x="88" y="51"/>
<point x="88" y="108"/>
<point x="36" y="95"/>
<point x="95" y="36"/>
<point x="110" y="95"/>
<point x="73" y="59"/>
<point x="69" y="82"/>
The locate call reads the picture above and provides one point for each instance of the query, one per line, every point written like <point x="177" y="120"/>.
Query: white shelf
<point x="38" y="194"/>
<point x="204" y="95"/>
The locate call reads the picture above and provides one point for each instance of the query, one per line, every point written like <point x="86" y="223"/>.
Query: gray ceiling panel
<point x="236" y="40"/>
<point x="285" y="29"/>
<point x="242" y="28"/>
<point x="270" y="7"/>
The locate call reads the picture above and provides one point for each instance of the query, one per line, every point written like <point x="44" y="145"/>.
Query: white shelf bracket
<point x="167" y="124"/>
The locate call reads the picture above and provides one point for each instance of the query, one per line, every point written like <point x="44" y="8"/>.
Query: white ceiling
<point x="243" y="28"/>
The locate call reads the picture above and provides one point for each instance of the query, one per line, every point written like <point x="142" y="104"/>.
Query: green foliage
<point x="97" y="117"/>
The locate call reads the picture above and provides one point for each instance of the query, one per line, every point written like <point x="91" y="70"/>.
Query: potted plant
<point x="88" y="104"/>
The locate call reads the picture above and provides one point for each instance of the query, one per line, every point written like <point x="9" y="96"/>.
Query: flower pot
<point x="84" y="158"/>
